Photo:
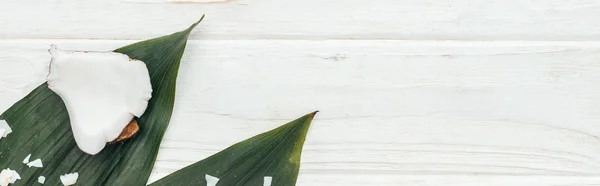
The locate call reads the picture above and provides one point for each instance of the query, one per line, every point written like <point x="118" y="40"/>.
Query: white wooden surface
<point x="514" y="100"/>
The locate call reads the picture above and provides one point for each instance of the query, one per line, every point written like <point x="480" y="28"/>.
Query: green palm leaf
<point x="274" y="154"/>
<point x="40" y="124"/>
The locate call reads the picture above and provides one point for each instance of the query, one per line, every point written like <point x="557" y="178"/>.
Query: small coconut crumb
<point x="35" y="163"/>
<point x="267" y="181"/>
<point x="26" y="160"/>
<point x="42" y="179"/>
<point x="69" y="179"/>
<point x="8" y="176"/>
<point x="4" y="129"/>
<point x="211" y="180"/>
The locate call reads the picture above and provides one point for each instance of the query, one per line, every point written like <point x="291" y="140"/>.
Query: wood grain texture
<point x="392" y="112"/>
<point x="306" y="19"/>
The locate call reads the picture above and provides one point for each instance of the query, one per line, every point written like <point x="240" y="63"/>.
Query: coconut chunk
<point x="69" y="179"/>
<point x="267" y="181"/>
<point x="42" y="179"/>
<point x="4" y="129"/>
<point x="8" y="176"/>
<point x="102" y="91"/>
<point x="35" y="163"/>
<point x="211" y="180"/>
<point x="26" y="160"/>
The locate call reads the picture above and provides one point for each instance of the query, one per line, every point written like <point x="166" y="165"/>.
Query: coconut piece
<point x="42" y="179"/>
<point x="267" y="181"/>
<point x="35" y="163"/>
<point x="4" y="129"/>
<point x="26" y="160"/>
<point x="102" y="91"/>
<point x="69" y="179"/>
<point x="8" y="176"/>
<point x="211" y="180"/>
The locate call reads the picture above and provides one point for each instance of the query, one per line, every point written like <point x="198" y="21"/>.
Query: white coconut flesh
<point x="4" y="129"/>
<point x="41" y="179"/>
<point x="267" y="180"/>
<point x="36" y="163"/>
<point x="69" y="179"/>
<point x="26" y="160"/>
<point x="8" y="176"/>
<point x="211" y="180"/>
<point x="102" y="91"/>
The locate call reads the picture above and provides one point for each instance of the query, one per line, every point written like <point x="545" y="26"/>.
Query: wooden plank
<point x="392" y="112"/>
<point x="305" y="20"/>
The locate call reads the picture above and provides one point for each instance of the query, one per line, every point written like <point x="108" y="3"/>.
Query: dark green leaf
<point x="275" y="153"/>
<point x="41" y="127"/>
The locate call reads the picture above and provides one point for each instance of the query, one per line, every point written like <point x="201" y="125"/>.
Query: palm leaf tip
<point x="272" y="157"/>
<point x="197" y="22"/>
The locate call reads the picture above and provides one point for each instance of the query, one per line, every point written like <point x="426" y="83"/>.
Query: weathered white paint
<point x="304" y="19"/>
<point x="392" y="112"/>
